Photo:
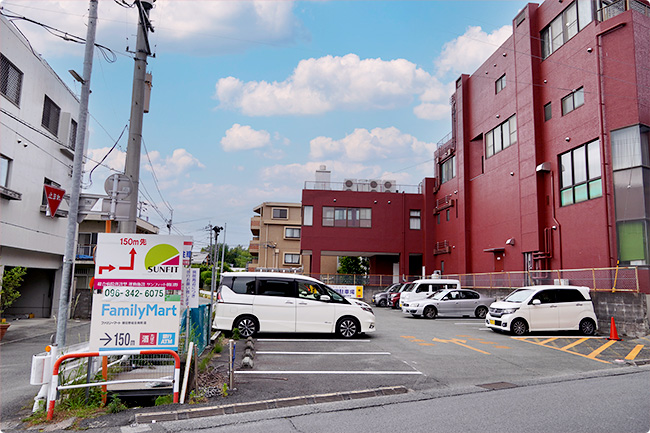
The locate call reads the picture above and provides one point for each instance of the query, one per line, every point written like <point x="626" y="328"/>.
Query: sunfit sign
<point x="137" y="288"/>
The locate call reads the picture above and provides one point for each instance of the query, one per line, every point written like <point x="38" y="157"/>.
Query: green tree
<point x="9" y="285"/>
<point x="353" y="265"/>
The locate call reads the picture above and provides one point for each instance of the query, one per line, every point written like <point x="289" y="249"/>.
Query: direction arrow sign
<point x="108" y="338"/>
<point x="54" y="196"/>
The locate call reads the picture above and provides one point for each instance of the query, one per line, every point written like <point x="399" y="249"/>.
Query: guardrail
<point x="55" y="387"/>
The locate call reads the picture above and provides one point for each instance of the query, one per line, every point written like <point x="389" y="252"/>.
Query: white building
<point x="38" y="122"/>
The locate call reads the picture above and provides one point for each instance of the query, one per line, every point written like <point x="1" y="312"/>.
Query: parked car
<point x="380" y="299"/>
<point x="278" y="302"/>
<point x="393" y="301"/>
<point x="544" y="308"/>
<point x="425" y="287"/>
<point x="448" y="302"/>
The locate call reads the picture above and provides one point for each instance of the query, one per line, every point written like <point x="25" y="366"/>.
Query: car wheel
<point x="247" y="326"/>
<point x="347" y="327"/>
<point x="587" y="327"/>
<point x="381" y="303"/>
<point x="430" y="312"/>
<point x="481" y="312"/>
<point x="519" y="327"/>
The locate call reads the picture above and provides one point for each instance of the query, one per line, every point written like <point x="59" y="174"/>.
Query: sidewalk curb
<point x="266" y="404"/>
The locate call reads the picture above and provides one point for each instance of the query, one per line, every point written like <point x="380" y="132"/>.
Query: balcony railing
<point x="618" y="7"/>
<point x="363" y="185"/>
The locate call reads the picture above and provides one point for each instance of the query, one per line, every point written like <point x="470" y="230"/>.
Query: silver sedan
<point x="450" y="302"/>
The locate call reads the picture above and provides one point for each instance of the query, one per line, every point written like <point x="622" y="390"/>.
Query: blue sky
<point x="250" y="98"/>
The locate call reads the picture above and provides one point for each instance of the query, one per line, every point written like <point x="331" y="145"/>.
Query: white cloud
<point x="432" y="111"/>
<point x="240" y="137"/>
<point x="468" y="51"/>
<point x="332" y="82"/>
<point x="363" y="145"/>
<point x="171" y="167"/>
<point x="190" y="27"/>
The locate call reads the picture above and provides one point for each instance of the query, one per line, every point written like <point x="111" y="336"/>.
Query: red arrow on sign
<point x="104" y="268"/>
<point x="54" y="196"/>
<point x="131" y="267"/>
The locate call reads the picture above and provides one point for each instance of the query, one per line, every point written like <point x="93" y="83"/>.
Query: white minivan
<point x="544" y="308"/>
<point x="420" y="289"/>
<point x="279" y="302"/>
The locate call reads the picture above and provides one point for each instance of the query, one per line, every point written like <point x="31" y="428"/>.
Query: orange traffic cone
<point x="613" y="335"/>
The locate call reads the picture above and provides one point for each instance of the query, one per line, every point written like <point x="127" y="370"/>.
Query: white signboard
<point x="136" y="305"/>
<point x="348" y="291"/>
<point x="190" y="298"/>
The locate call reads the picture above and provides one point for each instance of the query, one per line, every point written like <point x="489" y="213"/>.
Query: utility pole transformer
<point x="132" y="168"/>
<point x="75" y="189"/>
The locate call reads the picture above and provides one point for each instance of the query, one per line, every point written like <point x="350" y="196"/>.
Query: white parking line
<point x="331" y="372"/>
<point x="320" y="353"/>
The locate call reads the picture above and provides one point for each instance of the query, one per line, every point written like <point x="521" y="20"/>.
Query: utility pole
<point x="212" y="285"/>
<point x="77" y="167"/>
<point x="223" y="248"/>
<point x="132" y="166"/>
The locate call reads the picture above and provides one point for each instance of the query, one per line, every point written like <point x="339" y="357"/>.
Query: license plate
<point x="492" y="322"/>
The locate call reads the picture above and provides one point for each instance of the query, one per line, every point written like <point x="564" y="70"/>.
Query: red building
<point x="548" y="165"/>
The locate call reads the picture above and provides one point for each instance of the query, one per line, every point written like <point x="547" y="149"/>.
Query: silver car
<point x="450" y="302"/>
<point x="381" y="299"/>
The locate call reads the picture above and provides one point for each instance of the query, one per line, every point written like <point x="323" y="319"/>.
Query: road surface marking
<point x="575" y="343"/>
<point x="601" y="349"/>
<point x="633" y="354"/>
<point x="376" y="373"/>
<point x="271" y="352"/>
<point x="460" y="343"/>
<point x="548" y="340"/>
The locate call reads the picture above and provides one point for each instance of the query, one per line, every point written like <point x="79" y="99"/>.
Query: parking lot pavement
<point x="630" y="351"/>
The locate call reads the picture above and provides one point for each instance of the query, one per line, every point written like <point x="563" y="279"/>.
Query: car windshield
<point x="439" y="294"/>
<point x="394" y="289"/>
<point x="519" y="295"/>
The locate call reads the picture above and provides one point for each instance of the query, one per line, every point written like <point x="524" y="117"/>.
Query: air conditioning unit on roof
<point x="374" y="184"/>
<point x="389" y="186"/>
<point x="350" y="185"/>
<point x="363" y="185"/>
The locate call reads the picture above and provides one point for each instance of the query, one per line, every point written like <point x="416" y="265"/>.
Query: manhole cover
<point x="498" y="385"/>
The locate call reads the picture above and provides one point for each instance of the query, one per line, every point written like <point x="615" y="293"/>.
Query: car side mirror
<point x="325" y="298"/>
<point x="537" y="302"/>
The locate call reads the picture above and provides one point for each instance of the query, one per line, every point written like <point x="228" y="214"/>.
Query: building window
<point x="565" y="26"/>
<point x="581" y="174"/>
<point x="72" y="141"/>
<point x="292" y="232"/>
<point x="414" y="220"/>
<point x="291" y="259"/>
<point x="448" y="215"/>
<point x="548" y="112"/>
<point x="280" y="213"/>
<point x="347" y="217"/>
<point x="307" y="215"/>
<point x="4" y="171"/>
<point x="51" y="113"/>
<point x="86" y="245"/>
<point x="501" y="137"/>
<point x="573" y="100"/>
<point x="11" y="80"/>
<point x="632" y="242"/>
<point x="437" y="218"/>
<point x="448" y="170"/>
<point x="630" y="147"/>
<point x="500" y="84"/>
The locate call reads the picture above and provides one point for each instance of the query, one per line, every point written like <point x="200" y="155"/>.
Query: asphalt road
<point x="446" y="358"/>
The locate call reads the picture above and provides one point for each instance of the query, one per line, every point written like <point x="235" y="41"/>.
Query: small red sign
<point x="54" y="196"/>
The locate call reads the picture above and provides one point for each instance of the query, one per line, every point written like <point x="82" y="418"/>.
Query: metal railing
<point x="618" y="7"/>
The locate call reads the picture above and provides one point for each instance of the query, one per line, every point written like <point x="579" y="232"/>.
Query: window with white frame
<point x="51" y="114"/>
<point x="573" y="100"/>
<point x="347" y="217"/>
<point x="414" y="219"/>
<point x="565" y="26"/>
<point x="280" y="213"/>
<point x="500" y="84"/>
<point x="4" y="171"/>
<point x="501" y="137"/>
<point x="307" y="215"/>
<point x="291" y="258"/>
<point x="448" y="170"/>
<point x="292" y="232"/>
<point x="11" y="80"/>
<point x="581" y="174"/>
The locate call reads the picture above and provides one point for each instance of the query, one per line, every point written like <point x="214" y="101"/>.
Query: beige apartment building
<point x="276" y="236"/>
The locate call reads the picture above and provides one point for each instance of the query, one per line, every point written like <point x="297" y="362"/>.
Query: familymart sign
<point x="137" y="291"/>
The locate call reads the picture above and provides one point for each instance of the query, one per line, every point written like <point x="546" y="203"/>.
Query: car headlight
<point x="509" y="310"/>
<point x="414" y="305"/>
<point x="368" y="309"/>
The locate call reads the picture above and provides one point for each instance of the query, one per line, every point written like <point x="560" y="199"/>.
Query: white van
<point x="544" y="308"/>
<point x="278" y="302"/>
<point x="420" y="289"/>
